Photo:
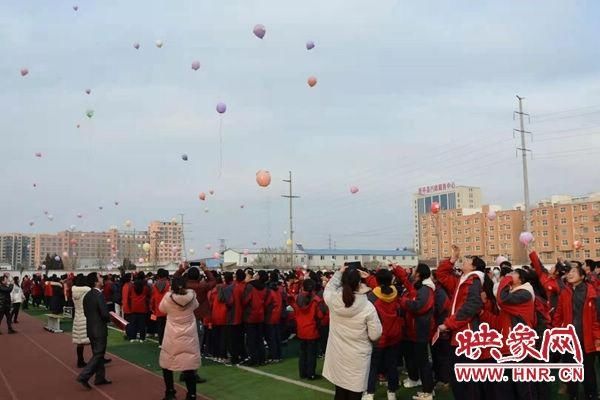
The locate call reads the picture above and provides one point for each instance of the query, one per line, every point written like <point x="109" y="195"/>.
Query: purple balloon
<point x="221" y="108"/>
<point x="259" y="30"/>
<point x="75" y="8"/>
<point x="136" y="45"/>
<point x="196" y="65"/>
<point x="310" y="45"/>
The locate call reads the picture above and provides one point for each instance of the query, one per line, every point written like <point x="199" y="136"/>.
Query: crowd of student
<point x="367" y="324"/>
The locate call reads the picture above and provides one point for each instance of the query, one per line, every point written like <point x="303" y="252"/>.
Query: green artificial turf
<point x="229" y="383"/>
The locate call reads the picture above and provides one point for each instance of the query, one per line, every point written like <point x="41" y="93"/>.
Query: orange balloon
<point x="263" y="178"/>
<point x="312" y="81"/>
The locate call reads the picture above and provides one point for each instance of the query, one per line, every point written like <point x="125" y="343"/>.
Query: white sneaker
<point x="423" y="396"/>
<point x="391" y="395"/>
<point x="368" y="396"/>
<point x="409" y="383"/>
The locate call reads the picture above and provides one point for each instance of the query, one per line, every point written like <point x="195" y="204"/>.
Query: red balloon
<point x="312" y="81"/>
<point x="202" y="196"/>
<point x="435" y="207"/>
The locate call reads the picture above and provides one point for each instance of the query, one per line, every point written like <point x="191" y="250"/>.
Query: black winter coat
<point x="5" y="297"/>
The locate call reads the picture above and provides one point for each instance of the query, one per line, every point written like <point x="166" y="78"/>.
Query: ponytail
<point x="384" y="280"/>
<point x="350" y="283"/>
<point x="348" y="296"/>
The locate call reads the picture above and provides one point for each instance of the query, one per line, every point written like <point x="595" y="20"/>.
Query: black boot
<point x="170" y="395"/>
<point x="80" y="362"/>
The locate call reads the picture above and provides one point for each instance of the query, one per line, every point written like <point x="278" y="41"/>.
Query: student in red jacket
<point x="464" y="312"/>
<point x="234" y="294"/>
<point x="273" y="310"/>
<point x="218" y="317"/>
<point x="255" y="296"/>
<point x="577" y="306"/>
<point x="384" y="357"/>
<point x="418" y="307"/>
<point x="551" y="280"/>
<point x="138" y="302"/>
<point x="160" y="288"/>
<point x="308" y="313"/>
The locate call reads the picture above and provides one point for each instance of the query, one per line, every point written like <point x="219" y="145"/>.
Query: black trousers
<point x="323" y="337"/>
<point x="384" y="359"/>
<point x="15" y="311"/>
<point x="188" y="376"/>
<point x="161" y="322"/>
<point x="589" y="377"/>
<point x="220" y="342"/>
<point x="274" y="341"/>
<point x="138" y="325"/>
<point x="95" y="365"/>
<point x="6" y="313"/>
<point x="307" y="363"/>
<point x="256" y="346"/>
<point x="26" y="302"/>
<point x="234" y="338"/>
<point x="423" y="365"/>
<point x="345" y="394"/>
<point x="407" y="349"/>
<point x="440" y="354"/>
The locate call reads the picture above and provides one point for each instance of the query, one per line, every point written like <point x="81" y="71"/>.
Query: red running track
<point x="36" y="364"/>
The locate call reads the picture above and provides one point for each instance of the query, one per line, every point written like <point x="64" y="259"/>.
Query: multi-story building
<point x="474" y="233"/>
<point x="17" y="250"/>
<point x="166" y="241"/>
<point x="558" y="224"/>
<point x="448" y="195"/>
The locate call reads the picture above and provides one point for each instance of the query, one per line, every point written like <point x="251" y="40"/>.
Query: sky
<point x="408" y="95"/>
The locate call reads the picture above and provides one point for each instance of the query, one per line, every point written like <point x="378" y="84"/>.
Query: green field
<point x="228" y="382"/>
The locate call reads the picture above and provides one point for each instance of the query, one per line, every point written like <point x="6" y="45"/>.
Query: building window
<point x="322" y="257"/>
<point x="586" y="240"/>
<point x="583" y="207"/>
<point x="584" y="218"/>
<point x="597" y="240"/>
<point x="545" y="233"/>
<point x="544" y="212"/>
<point x="563" y="221"/>
<point x="403" y="258"/>
<point x="545" y="244"/>
<point x="598" y="252"/>
<point x="563" y="209"/>
<point x="356" y="257"/>
<point x="597" y="228"/>
<point x="545" y="222"/>
<point x="565" y="242"/>
<point x="345" y="257"/>
<point x="394" y="257"/>
<point x="245" y="260"/>
<point x="333" y="257"/>
<point x="492" y="247"/>
<point x="492" y="237"/>
<point x="491" y="228"/>
<point x="310" y="257"/>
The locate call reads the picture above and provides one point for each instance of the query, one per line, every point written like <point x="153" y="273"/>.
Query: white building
<point x="449" y="196"/>
<point x="317" y="258"/>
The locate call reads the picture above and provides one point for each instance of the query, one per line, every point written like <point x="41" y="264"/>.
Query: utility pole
<point x="524" y="151"/>
<point x="330" y="241"/>
<point x="184" y="253"/>
<point x="291" y="197"/>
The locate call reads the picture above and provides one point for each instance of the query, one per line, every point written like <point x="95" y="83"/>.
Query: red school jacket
<point x="564" y="316"/>
<point x="125" y="297"/>
<point x="160" y="288"/>
<point x="308" y="313"/>
<point x="551" y="285"/>
<point x="466" y="298"/>
<point x="218" y="310"/>
<point x="387" y="306"/>
<point x="139" y="303"/>
<point x="273" y="305"/>
<point x="238" y="302"/>
<point x="515" y="305"/>
<point x="255" y="296"/>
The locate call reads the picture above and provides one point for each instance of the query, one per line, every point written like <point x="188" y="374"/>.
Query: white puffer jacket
<point x="352" y="332"/>
<point x="79" y="332"/>
<point x="17" y="296"/>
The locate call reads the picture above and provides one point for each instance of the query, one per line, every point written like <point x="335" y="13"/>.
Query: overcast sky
<point x="408" y="95"/>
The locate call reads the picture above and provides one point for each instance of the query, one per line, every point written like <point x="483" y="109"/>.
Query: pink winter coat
<point x="180" y="350"/>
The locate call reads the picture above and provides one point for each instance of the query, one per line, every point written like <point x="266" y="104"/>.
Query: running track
<point x="35" y="364"/>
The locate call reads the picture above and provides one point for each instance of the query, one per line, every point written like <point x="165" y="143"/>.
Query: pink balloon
<point x="263" y="178"/>
<point x="196" y="65"/>
<point x="208" y="247"/>
<point x="141" y="260"/>
<point x="217" y="255"/>
<point x="246" y="252"/>
<point x="38" y="155"/>
<point x="491" y="215"/>
<point x="202" y="196"/>
<point x="310" y="45"/>
<point x="24" y="71"/>
<point x="577" y="245"/>
<point x="136" y="45"/>
<point x="260" y="31"/>
<point x="79" y="216"/>
<point x="500" y="260"/>
<point x="526" y="238"/>
<point x="353" y="190"/>
<point x="435" y="207"/>
<point x="221" y="108"/>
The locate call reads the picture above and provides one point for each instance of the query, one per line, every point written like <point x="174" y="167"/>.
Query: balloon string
<point x="220" y="147"/>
